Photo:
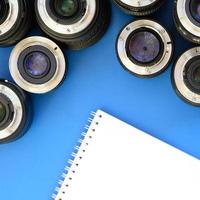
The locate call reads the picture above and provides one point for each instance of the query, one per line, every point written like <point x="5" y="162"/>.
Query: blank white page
<point x="119" y="162"/>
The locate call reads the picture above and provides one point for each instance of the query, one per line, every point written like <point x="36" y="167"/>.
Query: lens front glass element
<point x="66" y="8"/>
<point x="195" y="9"/>
<point x="2" y="112"/>
<point x="196" y="75"/>
<point x="36" y="64"/>
<point x="144" y="47"/>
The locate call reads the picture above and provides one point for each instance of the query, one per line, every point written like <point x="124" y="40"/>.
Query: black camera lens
<point x="37" y="65"/>
<point x="187" y="19"/>
<point x="78" y="24"/>
<point x="15" y="21"/>
<point x="144" y="48"/>
<point x="15" y="112"/>
<point x="139" y="8"/>
<point x="186" y="76"/>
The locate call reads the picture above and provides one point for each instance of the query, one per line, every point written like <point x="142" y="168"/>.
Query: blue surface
<point x="31" y="166"/>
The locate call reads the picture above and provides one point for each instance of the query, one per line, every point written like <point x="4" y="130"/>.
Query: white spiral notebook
<point x="116" y="161"/>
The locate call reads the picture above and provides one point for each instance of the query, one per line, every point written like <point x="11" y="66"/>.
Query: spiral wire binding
<point x="71" y="167"/>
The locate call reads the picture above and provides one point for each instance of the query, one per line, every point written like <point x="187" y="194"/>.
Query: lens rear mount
<point x="77" y="31"/>
<point x="139" y="8"/>
<point x="144" y="48"/>
<point x="186" y="76"/>
<point x="15" y="112"/>
<point x="186" y="23"/>
<point x="37" y="65"/>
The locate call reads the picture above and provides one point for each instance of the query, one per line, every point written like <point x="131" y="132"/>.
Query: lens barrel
<point x="15" y="21"/>
<point x="186" y="76"/>
<point x="139" y="8"/>
<point x="144" y="48"/>
<point x="187" y="19"/>
<point x="37" y="65"/>
<point x="15" y="112"/>
<point x="78" y="24"/>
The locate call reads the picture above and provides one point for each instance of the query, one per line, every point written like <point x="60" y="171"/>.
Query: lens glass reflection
<point x="195" y="9"/>
<point x="66" y="8"/>
<point x="2" y="112"/>
<point x="196" y="75"/>
<point x="36" y="64"/>
<point x="144" y="47"/>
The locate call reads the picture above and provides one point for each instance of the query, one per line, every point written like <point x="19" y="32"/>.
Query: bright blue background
<point x="31" y="166"/>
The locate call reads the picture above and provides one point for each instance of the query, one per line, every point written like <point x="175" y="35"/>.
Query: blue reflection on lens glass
<point x="195" y="9"/>
<point x="144" y="46"/>
<point x="36" y="64"/>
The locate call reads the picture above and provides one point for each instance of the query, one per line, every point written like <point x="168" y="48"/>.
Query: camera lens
<point x="187" y="19"/>
<point x="15" y="21"/>
<point x="144" y="48"/>
<point x="15" y="112"/>
<point x="186" y="76"/>
<point x="78" y="24"/>
<point x="139" y="8"/>
<point x="37" y="65"/>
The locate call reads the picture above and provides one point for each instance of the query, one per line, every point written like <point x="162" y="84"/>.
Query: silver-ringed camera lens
<point x="15" y="20"/>
<point x="144" y="48"/>
<point x="186" y="76"/>
<point x="15" y="112"/>
<point x="37" y="65"/>
<point x="76" y="23"/>
<point x="139" y="7"/>
<point x="187" y="19"/>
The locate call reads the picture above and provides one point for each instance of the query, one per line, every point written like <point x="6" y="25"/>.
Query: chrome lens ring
<point x="178" y="79"/>
<point x="70" y="29"/>
<point x="60" y="65"/>
<point x="144" y="70"/>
